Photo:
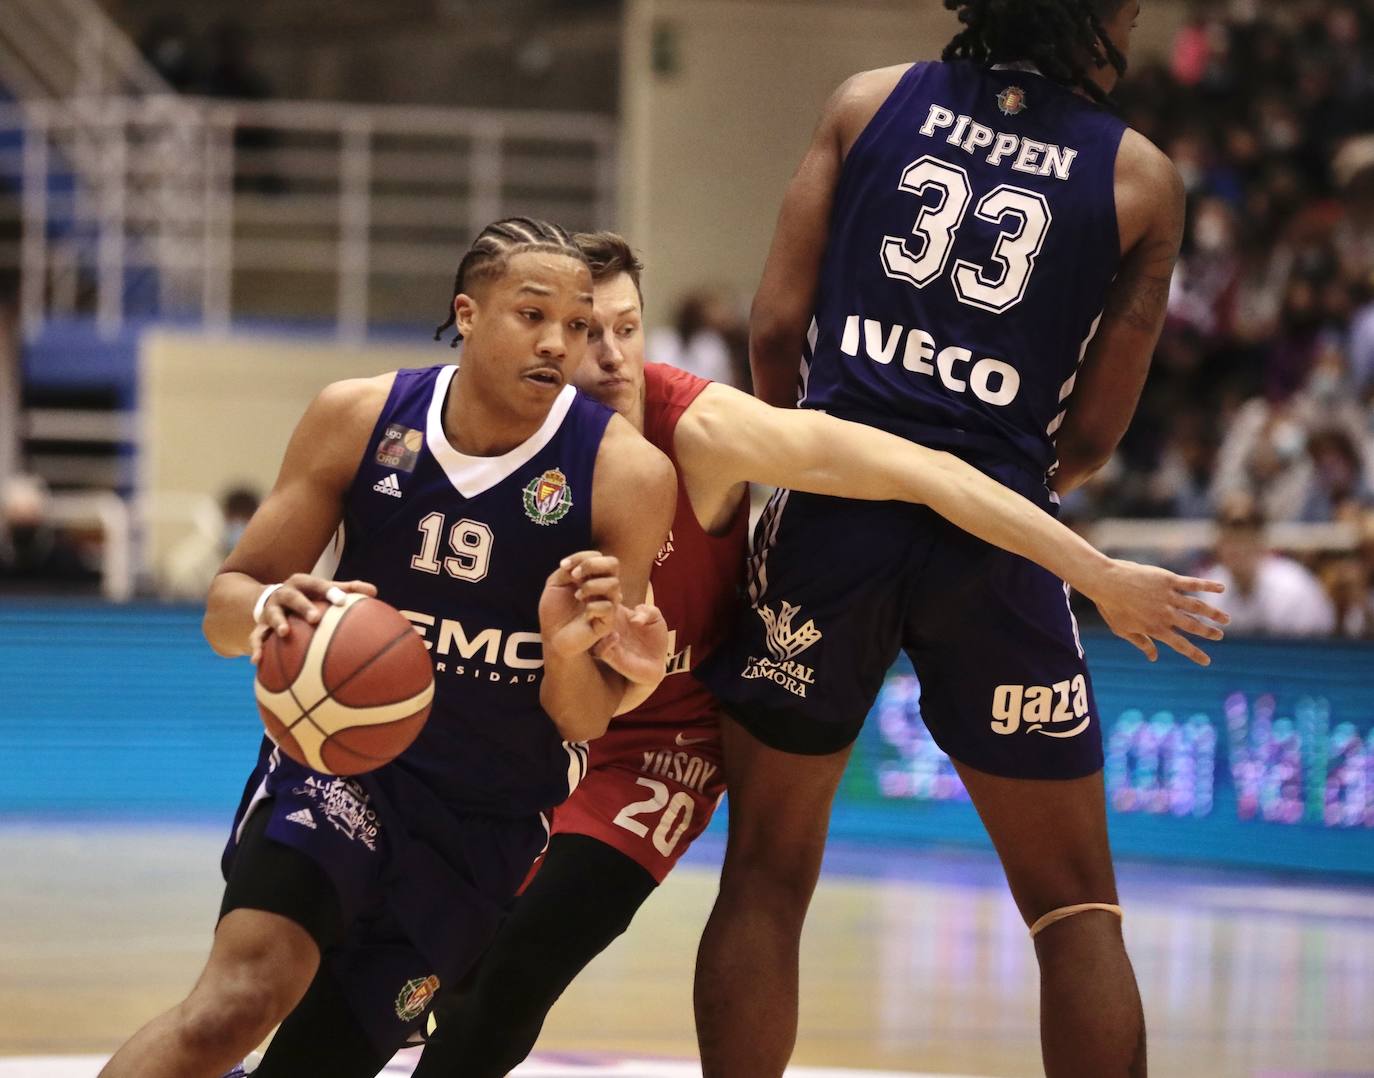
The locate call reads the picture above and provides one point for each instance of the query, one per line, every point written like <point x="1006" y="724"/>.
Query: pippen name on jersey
<point x="682" y="767"/>
<point x="492" y="648"/>
<point x="1022" y="154"/>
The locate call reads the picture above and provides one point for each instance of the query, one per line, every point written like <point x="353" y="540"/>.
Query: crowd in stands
<point x="1260" y="404"/>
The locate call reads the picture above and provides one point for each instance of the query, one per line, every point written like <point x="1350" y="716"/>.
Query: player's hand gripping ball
<point x="347" y="694"/>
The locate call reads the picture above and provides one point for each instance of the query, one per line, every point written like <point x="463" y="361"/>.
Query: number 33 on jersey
<point x="973" y="242"/>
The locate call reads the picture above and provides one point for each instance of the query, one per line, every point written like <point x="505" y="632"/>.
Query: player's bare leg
<point x="259" y="968"/>
<point x="1052" y="838"/>
<point x="747" y="966"/>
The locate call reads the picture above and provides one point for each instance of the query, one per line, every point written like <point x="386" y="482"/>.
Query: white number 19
<point x="469" y="541"/>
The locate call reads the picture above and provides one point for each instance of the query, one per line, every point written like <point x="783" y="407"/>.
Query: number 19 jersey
<point x="972" y="242"/>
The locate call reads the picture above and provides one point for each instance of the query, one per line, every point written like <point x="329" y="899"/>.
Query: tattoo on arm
<point x="1142" y="295"/>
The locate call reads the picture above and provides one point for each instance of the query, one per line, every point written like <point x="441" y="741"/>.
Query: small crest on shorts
<point x="399" y="447"/>
<point x="784" y="641"/>
<point x="548" y="497"/>
<point x="1012" y="101"/>
<point x="415" y="996"/>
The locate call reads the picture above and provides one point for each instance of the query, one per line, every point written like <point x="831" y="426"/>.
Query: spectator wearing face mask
<point x="1339" y="491"/>
<point x="194" y="561"/>
<point x="34" y="554"/>
<point x="1265" y="451"/>
<point x="1266" y="594"/>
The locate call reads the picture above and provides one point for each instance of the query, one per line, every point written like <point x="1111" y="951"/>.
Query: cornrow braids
<point x="491" y="252"/>
<point x="1054" y="35"/>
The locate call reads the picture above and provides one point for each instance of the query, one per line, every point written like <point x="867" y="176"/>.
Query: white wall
<point x="708" y="148"/>
<point x="217" y="411"/>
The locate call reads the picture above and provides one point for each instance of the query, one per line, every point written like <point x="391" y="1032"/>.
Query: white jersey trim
<point x="1068" y="605"/>
<point x="259" y="795"/>
<point x="765" y="538"/>
<point x="579" y="760"/>
<point x="472" y="476"/>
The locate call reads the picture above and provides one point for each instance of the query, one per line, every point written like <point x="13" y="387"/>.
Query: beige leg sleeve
<point x="1068" y="911"/>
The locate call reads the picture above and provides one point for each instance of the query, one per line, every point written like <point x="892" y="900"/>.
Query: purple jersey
<point x="972" y="242"/>
<point x="461" y="546"/>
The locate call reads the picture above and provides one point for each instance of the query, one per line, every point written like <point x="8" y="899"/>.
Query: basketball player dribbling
<point x="975" y="255"/>
<point x="657" y="774"/>
<point x="460" y="491"/>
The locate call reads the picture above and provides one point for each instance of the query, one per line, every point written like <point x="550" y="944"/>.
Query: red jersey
<point x="657" y="774"/>
<point x="697" y="578"/>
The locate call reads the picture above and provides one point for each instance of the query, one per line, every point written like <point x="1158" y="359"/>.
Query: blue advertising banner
<point x="1266" y="758"/>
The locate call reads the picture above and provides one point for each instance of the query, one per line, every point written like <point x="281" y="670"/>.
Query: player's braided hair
<point x="609" y="254"/>
<point x="1054" y="35"/>
<point x="491" y="252"/>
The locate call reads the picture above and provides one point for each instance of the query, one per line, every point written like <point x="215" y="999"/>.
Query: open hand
<point x="1144" y="604"/>
<point x="577" y="608"/>
<point x="636" y="648"/>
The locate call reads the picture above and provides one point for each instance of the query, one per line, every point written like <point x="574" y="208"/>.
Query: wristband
<point x="262" y="601"/>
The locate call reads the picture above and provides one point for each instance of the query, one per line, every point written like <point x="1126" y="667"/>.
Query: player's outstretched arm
<point x="727" y="437"/>
<point x="296" y="520"/>
<point x="1150" y="217"/>
<point x="633" y="497"/>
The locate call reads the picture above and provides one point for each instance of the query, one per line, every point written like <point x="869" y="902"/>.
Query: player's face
<point x="525" y="332"/>
<point x="613" y="371"/>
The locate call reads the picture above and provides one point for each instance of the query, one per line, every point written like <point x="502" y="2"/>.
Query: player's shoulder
<point x="666" y="386"/>
<point x="629" y="454"/>
<point x="864" y="87"/>
<point x="351" y="399"/>
<point x="343" y="413"/>
<point x="858" y="98"/>
<point x="1139" y="160"/>
<point x="630" y="467"/>
<point x="1151" y="201"/>
<point x="670" y="395"/>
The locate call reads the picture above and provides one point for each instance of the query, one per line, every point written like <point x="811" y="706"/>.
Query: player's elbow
<point x="217" y="639"/>
<point x="217" y="624"/>
<point x="577" y="710"/>
<point x="774" y="331"/>
<point x="1081" y="459"/>
<point x="577" y="721"/>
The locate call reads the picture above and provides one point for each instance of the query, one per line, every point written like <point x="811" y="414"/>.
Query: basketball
<point x="349" y="694"/>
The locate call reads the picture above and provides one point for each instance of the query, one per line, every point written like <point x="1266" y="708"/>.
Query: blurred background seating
<point x="310" y="173"/>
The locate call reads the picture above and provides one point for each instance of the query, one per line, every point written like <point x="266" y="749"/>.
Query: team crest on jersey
<point x="548" y="497"/>
<point x="415" y="996"/>
<point x="1012" y="101"/>
<point x="399" y="447"/>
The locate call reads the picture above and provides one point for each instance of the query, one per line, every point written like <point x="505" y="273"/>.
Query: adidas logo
<point x="390" y="486"/>
<point x="302" y="817"/>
